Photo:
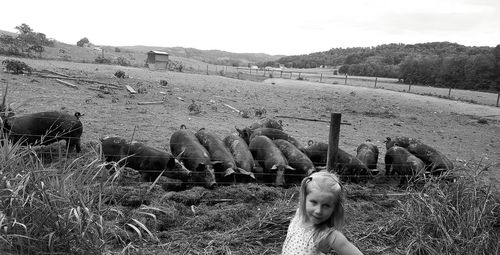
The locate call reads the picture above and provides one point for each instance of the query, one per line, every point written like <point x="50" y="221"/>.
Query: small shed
<point x="157" y="60"/>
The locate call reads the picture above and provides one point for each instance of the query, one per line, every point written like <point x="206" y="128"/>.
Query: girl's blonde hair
<point x="326" y="182"/>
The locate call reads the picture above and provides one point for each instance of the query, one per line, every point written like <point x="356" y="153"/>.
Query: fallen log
<point x="54" y="72"/>
<point x="150" y="103"/>
<point x="234" y="109"/>
<point x="78" y="79"/>
<point x="318" y="120"/>
<point x="67" y="83"/>
<point x="130" y="89"/>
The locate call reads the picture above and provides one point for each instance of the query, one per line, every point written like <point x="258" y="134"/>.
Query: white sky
<point x="287" y="27"/>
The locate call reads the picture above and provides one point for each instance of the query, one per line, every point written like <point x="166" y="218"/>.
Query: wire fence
<point x="126" y="155"/>
<point x="329" y="76"/>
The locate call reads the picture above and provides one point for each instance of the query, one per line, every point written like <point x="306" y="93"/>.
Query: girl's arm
<point x="341" y="245"/>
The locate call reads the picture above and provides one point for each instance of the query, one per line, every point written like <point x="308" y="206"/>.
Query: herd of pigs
<point x="261" y="152"/>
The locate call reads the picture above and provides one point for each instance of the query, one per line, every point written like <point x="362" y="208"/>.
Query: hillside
<point x="137" y="54"/>
<point x="215" y="57"/>
<point x="439" y="64"/>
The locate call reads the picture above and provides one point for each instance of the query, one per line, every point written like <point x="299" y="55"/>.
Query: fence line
<point x="471" y="96"/>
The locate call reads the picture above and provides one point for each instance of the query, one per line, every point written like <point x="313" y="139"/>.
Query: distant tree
<point x="344" y="69"/>
<point x="24" y="29"/>
<point x="82" y="42"/>
<point x="496" y="72"/>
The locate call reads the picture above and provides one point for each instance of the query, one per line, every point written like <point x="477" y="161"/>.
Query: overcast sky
<point x="286" y="27"/>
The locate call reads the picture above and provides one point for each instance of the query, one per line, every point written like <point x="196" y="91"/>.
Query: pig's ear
<point x="228" y="171"/>
<point x="239" y="131"/>
<point x="245" y="172"/>
<point x="289" y="168"/>
<point x="274" y="167"/>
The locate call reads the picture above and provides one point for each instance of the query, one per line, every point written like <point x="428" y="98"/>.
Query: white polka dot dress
<point x="299" y="240"/>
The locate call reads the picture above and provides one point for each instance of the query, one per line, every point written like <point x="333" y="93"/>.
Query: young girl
<point x="315" y="228"/>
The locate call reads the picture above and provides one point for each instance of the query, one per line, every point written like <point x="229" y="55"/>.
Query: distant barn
<point x="157" y="60"/>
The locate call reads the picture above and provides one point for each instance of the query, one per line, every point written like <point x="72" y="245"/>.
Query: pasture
<point x="119" y="214"/>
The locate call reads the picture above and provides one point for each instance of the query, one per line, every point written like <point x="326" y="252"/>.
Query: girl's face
<point x="319" y="206"/>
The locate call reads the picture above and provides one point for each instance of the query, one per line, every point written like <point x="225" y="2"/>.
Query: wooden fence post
<point x="333" y="142"/>
<point x="376" y="81"/>
<point x="299" y="75"/>
<point x="320" y="78"/>
<point x="290" y="75"/>
<point x="281" y="75"/>
<point x="498" y="98"/>
<point x="449" y="93"/>
<point x="409" y="88"/>
<point x="345" y="81"/>
<point x="207" y="69"/>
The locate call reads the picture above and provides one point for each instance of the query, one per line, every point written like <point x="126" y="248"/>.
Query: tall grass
<point x="450" y="218"/>
<point x="60" y="208"/>
<point x="73" y="206"/>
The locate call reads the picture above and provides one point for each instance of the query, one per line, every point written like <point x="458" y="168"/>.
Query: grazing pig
<point x="272" y="133"/>
<point x="317" y="152"/>
<point x="240" y="151"/>
<point x="296" y="159"/>
<point x="367" y="152"/>
<point x="226" y="170"/>
<point x="43" y="128"/>
<point x="350" y="167"/>
<point x="267" y="123"/>
<point x="406" y="165"/>
<point x="149" y="161"/>
<point x="435" y="161"/>
<point x="400" y="141"/>
<point x="194" y="156"/>
<point x="270" y="158"/>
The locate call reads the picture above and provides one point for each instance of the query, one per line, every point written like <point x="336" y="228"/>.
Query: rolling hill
<point x="136" y="55"/>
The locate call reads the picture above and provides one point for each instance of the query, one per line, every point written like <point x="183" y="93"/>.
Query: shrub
<point x="102" y="60"/>
<point x="122" y="61"/>
<point x="120" y="74"/>
<point x="16" y="66"/>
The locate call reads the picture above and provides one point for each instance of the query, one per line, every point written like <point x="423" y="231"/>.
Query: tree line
<point x="440" y="64"/>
